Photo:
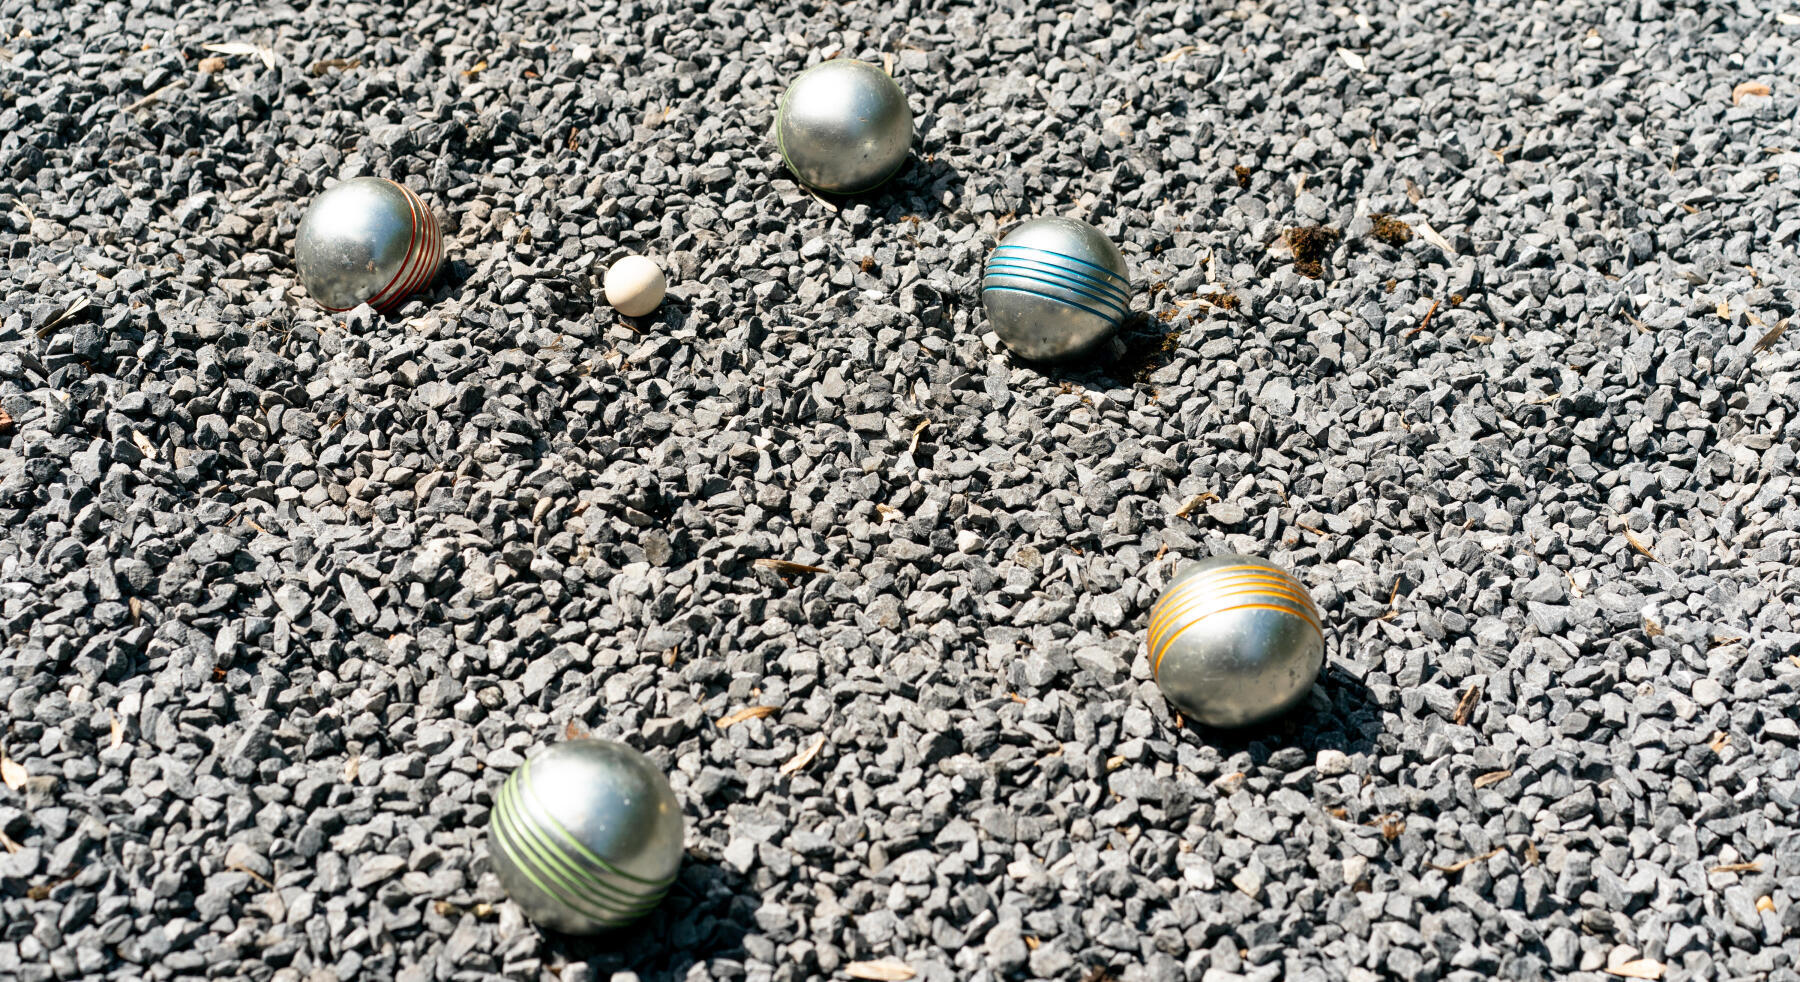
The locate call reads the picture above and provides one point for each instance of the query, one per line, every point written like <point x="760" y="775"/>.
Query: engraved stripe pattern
<point x="1222" y="591"/>
<point x="1060" y="278"/>
<point x="424" y="254"/>
<point x="559" y="865"/>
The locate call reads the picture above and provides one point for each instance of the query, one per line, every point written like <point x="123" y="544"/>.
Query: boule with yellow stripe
<point x="586" y="836"/>
<point x="1235" y="640"/>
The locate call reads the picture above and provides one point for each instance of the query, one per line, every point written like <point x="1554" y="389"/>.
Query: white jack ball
<point x="635" y="286"/>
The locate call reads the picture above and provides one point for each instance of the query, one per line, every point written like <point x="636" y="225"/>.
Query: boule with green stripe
<point x="586" y="836"/>
<point x="1055" y="288"/>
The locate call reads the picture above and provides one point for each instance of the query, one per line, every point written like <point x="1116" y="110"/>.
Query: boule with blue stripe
<point x="586" y="836"/>
<point x="367" y="240"/>
<point x="1235" y="640"/>
<point x="1055" y="288"/>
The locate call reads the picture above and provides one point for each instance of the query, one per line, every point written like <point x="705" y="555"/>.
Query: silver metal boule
<point x="586" y="836"/>
<point x="1054" y="288"/>
<point x="843" y="126"/>
<point x="1235" y="640"/>
<point x="367" y="240"/>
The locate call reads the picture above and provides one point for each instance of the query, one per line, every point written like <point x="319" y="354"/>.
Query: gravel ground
<point x="284" y="596"/>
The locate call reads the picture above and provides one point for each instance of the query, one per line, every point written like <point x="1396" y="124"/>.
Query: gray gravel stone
<point x="287" y="594"/>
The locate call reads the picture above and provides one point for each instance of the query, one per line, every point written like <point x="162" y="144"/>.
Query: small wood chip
<point x="351" y="767"/>
<point x="144" y="445"/>
<point x="118" y="730"/>
<point x="1642" y="968"/>
<point x="1432" y="236"/>
<point x="1745" y="90"/>
<point x="1531" y="853"/>
<point x="480" y="66"/>
<point x="211" y="66"/>
<point x="75" y="306"/>
<point x="574" y="730"/>
<point x="1768" y="340"/>
<point x="1354" y="60"/>
<point x="748" y="712"/>
<point x="1491" y="777"/>
<point x="1638" y="544"/>
<point x="1177" y="54"/>
<point x="1720" y="741"/>
<point x="155" y="96"/>
<point x="7" y="843"/>
<point x="1427" y="320"/>
<point x="917" y="432"/>
<point x="1467" y="705"/>
<point x="13" y="772"/>
<point x="6" y="422"/>
<point x="1195" y="502"/>
<point x="1766" y="904"/>
<point x="262" y="51"/>
<point x="804" y="757"/>
<point x="1736" y="868"/>
<point x="324" y="65"/>
<point x="784" y="568"/>
<point x="1458" y="867"/>
<point x="254" y="875"/>
<point x="1114" y="763"/>
<point x="886" y="970"/>
<point x="1574" y="587"/>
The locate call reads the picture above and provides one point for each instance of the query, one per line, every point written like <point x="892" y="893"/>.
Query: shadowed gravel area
<point x="1469" y="314"/>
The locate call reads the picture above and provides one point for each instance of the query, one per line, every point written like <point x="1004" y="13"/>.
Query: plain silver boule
<point x="1235" y="640"/>
<point x="843" y="126"/>
<point x="586" y="836"/>
<point x="367" y="240"/>
<point x="1055" y="288"/>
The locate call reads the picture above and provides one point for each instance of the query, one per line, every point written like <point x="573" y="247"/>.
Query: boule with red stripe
<point x="1235" y="640"/>
<point x="367" y="240"/>
<point x="586" y="836"/>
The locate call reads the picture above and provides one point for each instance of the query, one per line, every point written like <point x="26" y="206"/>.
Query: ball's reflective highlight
<point x="586" y="836"/>
<point x="1055" y="288"/>
<point x="1235" y="640"/>
<point x="843" y="126"/>
<point x="367" y="240"/>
